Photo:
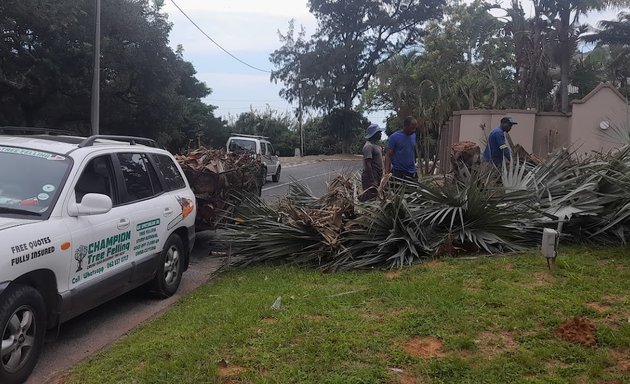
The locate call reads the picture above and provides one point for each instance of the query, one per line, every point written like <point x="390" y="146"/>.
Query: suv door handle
<point x="168" y="212"/>
<point x="123" y="224"/>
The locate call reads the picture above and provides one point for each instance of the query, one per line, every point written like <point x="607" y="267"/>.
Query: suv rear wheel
<point x="171" y="267"/>
<point x="23" y="326"/>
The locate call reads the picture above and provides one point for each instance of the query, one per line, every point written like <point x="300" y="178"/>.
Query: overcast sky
<point x="249" y="30"/>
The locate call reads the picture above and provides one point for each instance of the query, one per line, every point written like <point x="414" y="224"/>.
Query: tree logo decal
<point x="79" y="255"/>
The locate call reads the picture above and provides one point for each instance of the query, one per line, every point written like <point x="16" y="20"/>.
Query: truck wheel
<point x="170" y="267"/>
<point x="263" y="175"/>
<point x="275" y="178"/>
<point x="23" y="325"/>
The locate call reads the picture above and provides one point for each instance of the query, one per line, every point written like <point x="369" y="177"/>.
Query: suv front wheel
<point x="23" y="326"/>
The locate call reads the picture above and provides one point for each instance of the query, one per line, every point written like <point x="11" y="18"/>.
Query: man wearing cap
<point x="497" y="148"/>
<point x="400" y="157"/>
<point x="372" y="162"/>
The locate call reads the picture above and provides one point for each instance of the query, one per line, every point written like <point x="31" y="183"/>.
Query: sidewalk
<point x="295" y="161"/>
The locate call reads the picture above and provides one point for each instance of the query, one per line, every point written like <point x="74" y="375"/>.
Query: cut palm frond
<point x="587" y="198"/>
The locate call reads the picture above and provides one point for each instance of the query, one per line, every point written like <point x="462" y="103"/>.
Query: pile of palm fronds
<point x="215" y="176"/>
<point x="588" y="199"/>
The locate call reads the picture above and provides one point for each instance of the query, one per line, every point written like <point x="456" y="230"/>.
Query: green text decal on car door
<point x="148" y="238"/>
<point x="101" y="255"/>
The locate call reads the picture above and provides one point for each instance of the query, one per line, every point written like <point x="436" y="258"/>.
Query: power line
<point x="215" y="43"/>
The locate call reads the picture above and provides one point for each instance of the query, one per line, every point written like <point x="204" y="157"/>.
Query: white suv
<point x="83" y="220"/>
<point x="262" y="148"/>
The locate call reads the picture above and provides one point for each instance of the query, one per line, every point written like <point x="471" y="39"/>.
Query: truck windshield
<point x="30" y="180"/>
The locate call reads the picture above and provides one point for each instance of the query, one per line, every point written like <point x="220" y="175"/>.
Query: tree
<point x="354" y="37"/>
<point x="613" y="39"/>
<point x="532" y="54"/>
<point x="566" y="13"/>
<point x="147" y="88"/>
<point x="464" y="63"/>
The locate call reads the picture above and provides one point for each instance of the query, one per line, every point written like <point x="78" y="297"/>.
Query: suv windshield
<point x="238" y="145"/>
<point x="29" y="180"/>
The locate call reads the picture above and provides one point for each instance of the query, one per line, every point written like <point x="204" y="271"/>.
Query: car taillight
<point x="258" y="159"/>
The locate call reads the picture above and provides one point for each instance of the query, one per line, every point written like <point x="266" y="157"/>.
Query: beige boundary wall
<point x="543" y="133"/>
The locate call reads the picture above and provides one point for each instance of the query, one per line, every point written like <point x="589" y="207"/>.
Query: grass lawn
<point x="487" y="320"/>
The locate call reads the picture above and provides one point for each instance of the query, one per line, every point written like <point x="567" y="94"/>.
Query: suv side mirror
<point x="91" y="204"/>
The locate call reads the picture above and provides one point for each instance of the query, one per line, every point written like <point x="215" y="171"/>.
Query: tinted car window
<point x="136" y="176"/>
<point x="237" y="145"/>
<point x="270" y="149"/>
<point x="167" y="168"/>
<point x="97" y="177"/>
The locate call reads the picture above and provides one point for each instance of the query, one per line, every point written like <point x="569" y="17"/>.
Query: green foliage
<point x="493" y="319"/>
<point x="613" y="39"/>
<point x="331" y="70"/>
<point x="339" y="132"/>
<point x="147" y="89"/>
<point x="352" y="39"/>
<point x="346" y="129"/>
<point x="279" y="128"/>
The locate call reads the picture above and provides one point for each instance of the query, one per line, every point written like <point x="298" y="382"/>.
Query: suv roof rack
<point x="253" y="136"/>
<point x="10" y="130"/>
<point x="128" y="139"/>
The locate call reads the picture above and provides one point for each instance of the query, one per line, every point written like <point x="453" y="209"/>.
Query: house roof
<point x="596" y="90"/>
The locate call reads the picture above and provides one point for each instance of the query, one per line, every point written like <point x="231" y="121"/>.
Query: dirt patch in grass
<point x="269" y="320"/>
<point x="231" y="371"/>
<point x="613" y="299"/>
<point x="509" y="267"/>
<point x="494" y="343"/>
<point x="542" y="279"/>
<point x="402" y="377"/>
<point x="392" y="275"/>
<point x="433" y="264"/>
<point x="580" y="330"/>
<point x="408" y="379"/>
<point x="316" y="318"/>
<point x="373" y="316"/>
<point x="380" y="317"/>
<point x="553" y="365"/>
<point x="473" y="285"/>
<point x="622" y="356"/>
<point x="617" y="319"/>
<point x="600" y="308"/>
<point x="424" y="347"/>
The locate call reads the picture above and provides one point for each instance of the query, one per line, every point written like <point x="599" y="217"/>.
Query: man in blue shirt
<point x="400" y="157"/>
<point x="497" y="148"/>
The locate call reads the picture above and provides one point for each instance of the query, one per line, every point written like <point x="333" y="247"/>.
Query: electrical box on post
<point x="550" y="243"/>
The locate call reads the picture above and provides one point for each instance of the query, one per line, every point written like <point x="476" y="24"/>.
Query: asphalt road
<point x="314" y="175"/>
<point x="95" y="330"/>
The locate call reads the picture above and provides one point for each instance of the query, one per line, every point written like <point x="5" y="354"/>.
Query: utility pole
<point x="96" y="78"/>
<point x="300" y="118"/>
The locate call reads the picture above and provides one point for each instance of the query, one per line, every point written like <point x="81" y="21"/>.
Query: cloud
<point x="237" y="25"/>
<point x="237" y="93"/>
<point x="286" y="8"/>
